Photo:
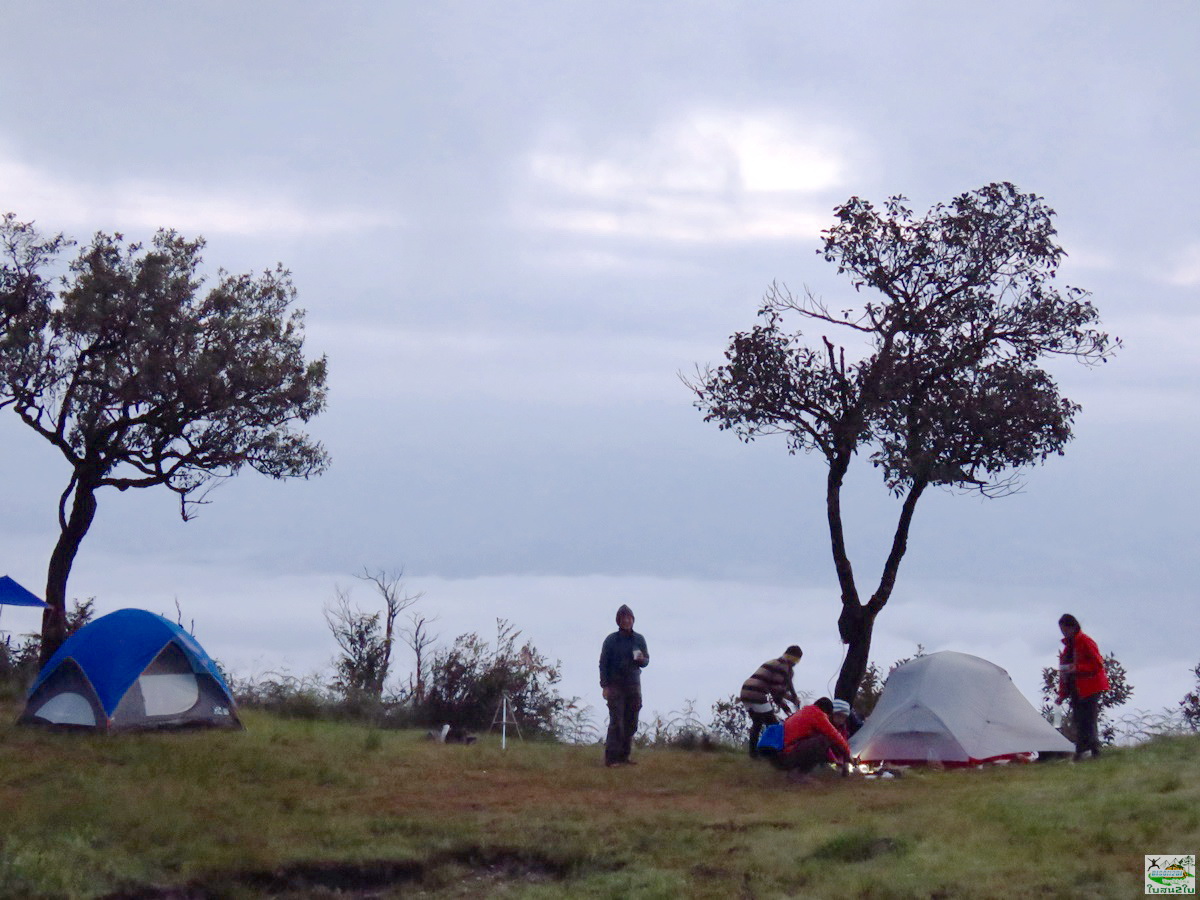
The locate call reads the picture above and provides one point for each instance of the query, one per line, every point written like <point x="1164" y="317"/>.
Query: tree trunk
<point x="54" y="618"/>
<point x="854" y="630"/>
<point x="856" y="625"/>
<point x="857" y="621"/>
<point x="391" y="610"/>
<point x="837" y="539"/>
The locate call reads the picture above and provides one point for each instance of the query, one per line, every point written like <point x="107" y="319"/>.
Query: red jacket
<point x="810" y="720"/>
<point x="1090" y="677"/>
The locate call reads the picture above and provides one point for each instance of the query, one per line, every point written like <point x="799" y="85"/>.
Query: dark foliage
<point x="26" y="294"/>
<point x="1118" y="694"/>
<point x="1190" y="704"/>
<point x="284" y="694"/>
<point x="309" y="697"/>
<point x="20" y="661"/>
<point x="683" y="730"/>
<point x="362" y="666"/>
<point x="468" y="680"/>
<point x="870" y="689"/>
<point x="730" y="722"/>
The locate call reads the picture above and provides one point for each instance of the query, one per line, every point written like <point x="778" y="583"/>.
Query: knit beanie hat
<point x="622" y="611"/>
<point x="841" y="706"/>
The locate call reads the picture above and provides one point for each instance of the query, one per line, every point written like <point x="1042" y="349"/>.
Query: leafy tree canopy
<point x="141" y="378"/>
<point x="935" y="373"/>
<point x="948" y="387"/>
<point x="25" y="294"/>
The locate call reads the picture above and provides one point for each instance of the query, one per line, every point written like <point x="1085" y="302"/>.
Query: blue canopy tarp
<point x="13" y="594"/>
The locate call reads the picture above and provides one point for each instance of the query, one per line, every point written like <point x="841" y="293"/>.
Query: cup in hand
<point x="637" y="655"/>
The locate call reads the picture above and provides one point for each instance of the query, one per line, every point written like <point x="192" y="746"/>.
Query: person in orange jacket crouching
<point x="808" y="739"/>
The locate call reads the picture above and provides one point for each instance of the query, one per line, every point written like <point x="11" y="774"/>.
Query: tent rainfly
<point x="130" y="670"/>
<point x="954" y="709"/>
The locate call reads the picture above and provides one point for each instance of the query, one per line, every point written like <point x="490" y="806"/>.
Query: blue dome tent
<point x="130" y="670"/>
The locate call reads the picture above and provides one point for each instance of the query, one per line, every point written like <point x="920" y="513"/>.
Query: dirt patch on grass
<point x="470" y="867"/>
<point x="739" y="827"/>
<point x="858" y="846"/>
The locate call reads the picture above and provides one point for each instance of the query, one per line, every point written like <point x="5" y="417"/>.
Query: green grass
<point x="305" y="808"/>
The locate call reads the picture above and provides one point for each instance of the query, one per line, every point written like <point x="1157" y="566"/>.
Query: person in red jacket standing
<point x="1082" y="679"/>
<point x="808" y="739"/>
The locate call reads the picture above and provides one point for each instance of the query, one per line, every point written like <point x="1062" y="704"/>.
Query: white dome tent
<point x="953" y="709"/>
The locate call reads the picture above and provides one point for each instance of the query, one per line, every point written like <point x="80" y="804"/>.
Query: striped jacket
<point x="772" y="681"/>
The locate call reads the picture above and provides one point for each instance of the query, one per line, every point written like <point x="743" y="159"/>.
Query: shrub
<point x="681" y="730"/>
<point x="1141" y="725"/>
<point x="468" y="680"/>
<point x="285" y="695"/>
<point x="20" y="663"/>
<point x="730" y="721"/>
<point x="1190" y="704"/>
<point x="1120" y="690"/>
<point x="577" y="724"/>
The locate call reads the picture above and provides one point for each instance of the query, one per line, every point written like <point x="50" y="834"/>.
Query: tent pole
<point x="504" y="723"/>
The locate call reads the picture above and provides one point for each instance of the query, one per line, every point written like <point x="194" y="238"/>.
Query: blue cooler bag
<point x="770" y="742"/>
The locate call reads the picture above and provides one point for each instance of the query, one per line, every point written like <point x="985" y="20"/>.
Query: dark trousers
<point x="1087" y="721"/>
<point x="805" y="755"/>
<point x="759" y="721"/>
<point x="623" y="708"/>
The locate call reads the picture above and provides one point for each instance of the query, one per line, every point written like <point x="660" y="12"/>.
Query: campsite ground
<point x="303" y="808"/>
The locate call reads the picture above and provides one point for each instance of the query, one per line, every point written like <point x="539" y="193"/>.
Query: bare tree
<point x="390" y="587"/>
<point x="416" y="635"/>
<point x="365" y="638"/>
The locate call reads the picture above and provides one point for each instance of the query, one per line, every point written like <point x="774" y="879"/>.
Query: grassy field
<point x="304" y="809"/>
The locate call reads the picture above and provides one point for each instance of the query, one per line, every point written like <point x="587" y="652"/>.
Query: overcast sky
<point x="513" y="225"/>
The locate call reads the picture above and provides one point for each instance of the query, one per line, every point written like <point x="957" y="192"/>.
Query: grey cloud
<point x="504" y="394"/>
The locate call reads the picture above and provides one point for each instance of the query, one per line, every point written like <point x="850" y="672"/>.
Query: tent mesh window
<point x="170" y="692"/>
<point x="65" y="698"/>
<point x="166" y="689"/>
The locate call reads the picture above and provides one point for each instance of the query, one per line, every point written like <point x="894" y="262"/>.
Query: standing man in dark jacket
<point x="1082" y="679"/>
<point x="622" y="659"/>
